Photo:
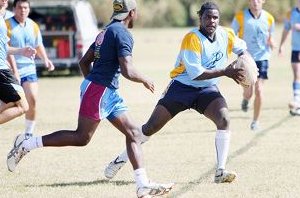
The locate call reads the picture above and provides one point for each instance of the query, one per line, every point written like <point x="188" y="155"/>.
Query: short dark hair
<point x="16" y="1"/>
<point x="208" y="6"/>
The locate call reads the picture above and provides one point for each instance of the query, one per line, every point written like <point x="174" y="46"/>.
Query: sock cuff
<point x="140" y="171"/>
<point x="29" y="122"/>
<point x="39" y="142"/>
<point x="223" y="134"/>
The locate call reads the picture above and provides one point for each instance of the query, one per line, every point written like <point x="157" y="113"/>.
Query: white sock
<point x="124" y="157"/>
<point x="33" y="143"/>
<point x="222" y="141"/>
<point x="29" y="126"/>
<point x="140" y="177"/>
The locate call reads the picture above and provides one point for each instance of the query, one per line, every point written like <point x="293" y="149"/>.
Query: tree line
<point x="182" y="13"/>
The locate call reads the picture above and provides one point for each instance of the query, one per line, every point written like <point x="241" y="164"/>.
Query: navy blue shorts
<point x="263" y="67"/>
<point x="9" y="87"/>
<point x="179" y="97"/>
<point x="295" y="57"/>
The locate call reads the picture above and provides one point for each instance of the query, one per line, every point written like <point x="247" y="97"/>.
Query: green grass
<point x="183" y="151"/>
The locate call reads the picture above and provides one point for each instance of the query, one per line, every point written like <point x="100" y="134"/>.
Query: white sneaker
<point x="294" y="108"/>
<point x="153" y="189"/>
<point x="254" y="126"/>
<point x="113" y="167"/>
<point x="16" y="153"/>
<point x="224" y="176"/>
<point x="28" y="135"/>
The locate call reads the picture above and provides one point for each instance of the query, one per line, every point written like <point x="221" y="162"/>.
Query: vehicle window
<point x="58" y="30"/>
<point x="57" y="18"/>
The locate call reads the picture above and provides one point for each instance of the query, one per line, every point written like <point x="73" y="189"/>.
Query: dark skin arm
<point x="129" y="72"/>
<point x="230" y="71"/>
<point x="86" y="61"/>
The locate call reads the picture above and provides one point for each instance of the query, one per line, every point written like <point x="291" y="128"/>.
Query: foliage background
<point x="180" y="13"/>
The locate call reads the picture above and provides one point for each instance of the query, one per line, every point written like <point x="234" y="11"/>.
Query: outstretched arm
<point x="129" y="72"/>
<point x="26" y="51"/>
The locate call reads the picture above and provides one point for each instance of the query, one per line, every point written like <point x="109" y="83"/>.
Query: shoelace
<point x="23" y="153"/>
<point x="156" y="189"/>
<point x="14" y="152"/>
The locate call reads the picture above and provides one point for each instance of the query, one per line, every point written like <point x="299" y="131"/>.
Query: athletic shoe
<point x="28" y="135"/>
<point x="294" y="108"/>
<point x="244" y="105"/>
<point x="295" y="112"/>
<point x="113" y="167"/>
<point x="16" y="153"/>
<point x="254" y="126"/>
<point x="223" y="176"/>
<point x="153" y="190"/>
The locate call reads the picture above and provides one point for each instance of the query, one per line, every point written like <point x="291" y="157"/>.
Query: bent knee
<point x="82" y="139"/>
<point x="150" y="129"/>
<point x="223" y="122"/>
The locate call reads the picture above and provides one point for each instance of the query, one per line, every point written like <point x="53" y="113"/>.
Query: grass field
<point x="267" y="162"/>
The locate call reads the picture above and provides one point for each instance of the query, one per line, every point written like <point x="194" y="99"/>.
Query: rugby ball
<point x="250" y="70"/>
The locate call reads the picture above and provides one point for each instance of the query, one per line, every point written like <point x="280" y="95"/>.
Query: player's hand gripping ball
<point x="250" y="70"/>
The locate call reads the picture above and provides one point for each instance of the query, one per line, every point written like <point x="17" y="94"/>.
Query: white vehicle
<point x="68" y="28"/>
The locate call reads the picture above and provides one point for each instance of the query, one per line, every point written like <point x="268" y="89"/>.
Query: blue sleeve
<point x="235" y="26"/>
<point x="239" y="46"/>
<point x="124" y="44"/>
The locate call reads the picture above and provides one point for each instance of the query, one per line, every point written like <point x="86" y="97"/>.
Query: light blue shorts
<point x="29" y="78"/>
<point x="99" y="102"/>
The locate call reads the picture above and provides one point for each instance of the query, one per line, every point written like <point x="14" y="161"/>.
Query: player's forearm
<point x="208" y="74"/>
<point x="14" y="51"/>
<point x="128" y="70"/>
<point x="85" y="67"/>
<point x="283" y="37"/>
<point x="41" y="52"/>
<point x="133" y="75"/>
<point x="86" y="61"/>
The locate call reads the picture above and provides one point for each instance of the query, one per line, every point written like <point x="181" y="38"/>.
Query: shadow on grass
<point x="85" y="183"/>
<point x="255" y="140"/>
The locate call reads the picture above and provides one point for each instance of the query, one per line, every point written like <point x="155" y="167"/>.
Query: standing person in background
<point x="292" y="23"/>
<point x="256" y="27"/>
<point x="200" y="63"/>
<point x="12" y="99"/>
<point x="112" y="55"/>
<point x="22" y="32"/>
